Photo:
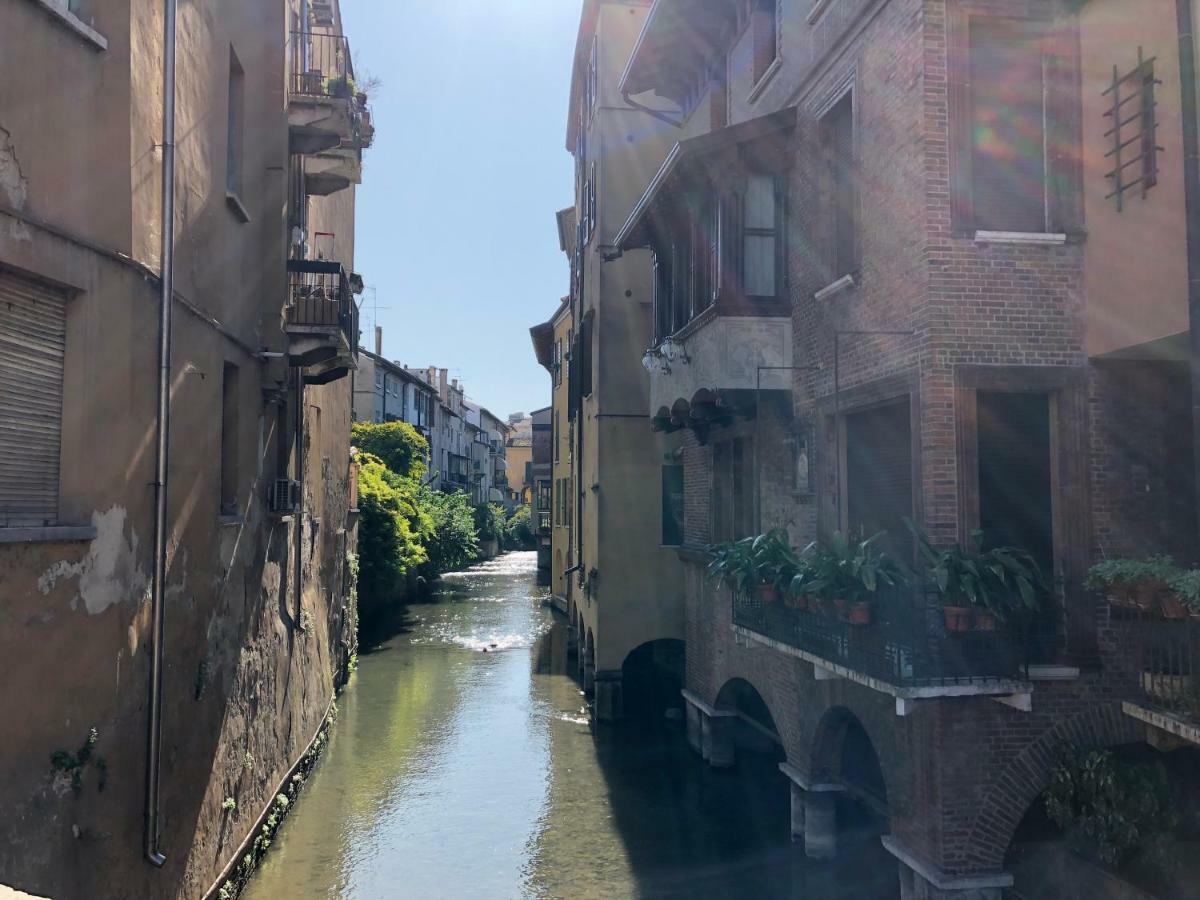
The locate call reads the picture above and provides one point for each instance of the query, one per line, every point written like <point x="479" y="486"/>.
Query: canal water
<point x="463" y="766"/>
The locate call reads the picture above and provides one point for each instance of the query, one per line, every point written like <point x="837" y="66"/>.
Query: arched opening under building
<point x="1156" y="790"/>
<point x="652" y="681"/>
<point x="845" y="756"/>
<point x="753" y="729"/>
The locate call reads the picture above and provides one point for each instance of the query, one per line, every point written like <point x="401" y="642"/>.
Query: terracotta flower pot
<point x="1148" y="594"/>
<point x="859" y="613"/>
<point x="985" y="620"/>
<point x="1172" y="606"/>
<point x="958" y="618"/>
<point x="768" y="593"/>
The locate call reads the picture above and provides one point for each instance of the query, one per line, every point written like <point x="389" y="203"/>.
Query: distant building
<point x="386" y="391"/>
<point x="519" y="456"/>
<point x="542" y="474"/>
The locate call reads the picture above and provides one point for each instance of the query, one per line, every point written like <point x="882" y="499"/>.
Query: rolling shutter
<point x="32" y="338"/>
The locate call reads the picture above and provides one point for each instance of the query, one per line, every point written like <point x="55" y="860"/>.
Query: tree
<point x="395" y="526"/>
<point x="453" y="542"/>
<point x="489" y="522"/>
<point x="520" y="529"/>
<point x="398" y="446"/>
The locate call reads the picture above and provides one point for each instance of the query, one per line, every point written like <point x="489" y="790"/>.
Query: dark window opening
<point x="1007" y="112"/>
<point x="879" y="475"/>
<point x="229" y="440"/>
<point x="837" y="139"/>
<point x="760" y="236"/>
<point x="236" y="125"/>
<point x="672" y="505"/>
<point x="765" y="24"/>
<point x="732" y="489"/>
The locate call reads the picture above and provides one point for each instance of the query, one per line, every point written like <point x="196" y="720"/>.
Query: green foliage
<point x="1004" y="580"/>
<point x="229" y="804"/>
<point x="489" y="522"/>
<point x="226" y="892"/>
<point x="1113" y="806"/>
<point x="248" y="761"/>
<point x="398" y="446"/>
<point x="453" y="542"/>
<point x="519" y="529"/>
<point x="1186" y="583"/>
<point x="1127" y="574"/>
<point x="394" y="526"/>
<point x="73" y="764"/>
<point x="281" y="801"/>
<point x="846" y="568"/>
<point x="746" y="564"/>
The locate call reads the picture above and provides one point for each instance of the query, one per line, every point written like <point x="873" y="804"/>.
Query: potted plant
<point x="1185" y="585"/>
<point x="340" y="86"/>
<point x="980" y="588"/>
<point x="848" y="572"/>
<point x="760" y="565"/>
<point x="1132" y="583"/>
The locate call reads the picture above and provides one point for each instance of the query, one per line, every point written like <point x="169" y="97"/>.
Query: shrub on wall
<point x="398" y="446"/>
<point x="395" y="527"/>
<point x="519" y="529"/>
<point x="453" y="541"/>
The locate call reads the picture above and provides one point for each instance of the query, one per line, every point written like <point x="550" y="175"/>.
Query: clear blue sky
<point x="456" y="211"/>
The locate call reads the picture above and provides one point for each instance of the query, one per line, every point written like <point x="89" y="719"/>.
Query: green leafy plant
<point x="1110" y="805"/>
<point x="229" y="804"/>
<point x="1186" y="584"/>
<point x="1005" y="581"/>
<point x="248" y="761"/>
<point x="846" y="569"/>
<point x="341" y="86"/>
<point x="489" y="521"/>
<point x="398" y="445"/>
<point x="762" y="561"/>
<point x="519" y="529"/>
<point x="452" y="542"/>
<point x="1132" y="582"/>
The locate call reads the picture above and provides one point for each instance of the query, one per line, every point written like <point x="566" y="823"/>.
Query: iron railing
<point x="320" y="65"/>
<point x="543" y="521"/>
<point x="319" y="295"/>
<point x="906" y="642"/>
<point x="1166" y="657"/>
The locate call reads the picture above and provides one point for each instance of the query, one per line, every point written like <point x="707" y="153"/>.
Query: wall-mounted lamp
<point x="674" y="351"/>
<point x="655" y="362"/>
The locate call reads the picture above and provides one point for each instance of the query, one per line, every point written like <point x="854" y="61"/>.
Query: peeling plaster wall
<point x="247" y="679"/>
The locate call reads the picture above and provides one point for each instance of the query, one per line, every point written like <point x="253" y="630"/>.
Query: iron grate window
<point x="1133" y="130"/>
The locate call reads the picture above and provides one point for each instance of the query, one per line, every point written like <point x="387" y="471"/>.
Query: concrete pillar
<point x="589" y="674"/>
<point x="820" y="825"/>
<point x="718" y="746"/>
<point x="695" y="727"/>
<point x="572" y="641"/>
<point x="608" y="701"/>
<point x="798" y="800"/>
<point x="920" y="880"/>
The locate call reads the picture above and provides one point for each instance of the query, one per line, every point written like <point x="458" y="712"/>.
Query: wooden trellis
<point x="1134" y="130"/>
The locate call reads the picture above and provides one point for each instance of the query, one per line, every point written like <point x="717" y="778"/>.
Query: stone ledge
<point x="1180" y="728"/>
<point x="47" y="534"/>
<point x="798" y="779"/>
<point x="832" y="290"/>
<point x="58" y="10"/>
<point x="943" y="881"/>
<point x="710" y="711"/>
<point x="905" y="696"/>
<point x="1035" y="238"/>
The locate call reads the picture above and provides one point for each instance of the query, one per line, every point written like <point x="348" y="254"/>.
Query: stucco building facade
<point x="260" y="514"/>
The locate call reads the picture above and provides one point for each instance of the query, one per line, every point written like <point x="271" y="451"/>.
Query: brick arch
<point x="829" y="742"/>
<point x="1023" y="780"/>
<point x="732" y="692"/>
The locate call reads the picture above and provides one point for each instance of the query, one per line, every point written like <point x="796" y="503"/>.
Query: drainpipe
<point x="298" y="565"/>
<point x="162" y="439"/>
<point x="1191" y="194"/>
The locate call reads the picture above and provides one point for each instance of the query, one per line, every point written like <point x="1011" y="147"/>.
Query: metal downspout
<point x="1191" y="194"/>
<point x="298" y="566"/>
<point x="162" y="440"/>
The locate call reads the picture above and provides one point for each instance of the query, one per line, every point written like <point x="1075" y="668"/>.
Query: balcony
<point x="543" y="520"/>
<point x="1166" y="660"/>
<point x="905" y="650"/>
<point x="325" y="112"/>
<point x="321" y="320"/>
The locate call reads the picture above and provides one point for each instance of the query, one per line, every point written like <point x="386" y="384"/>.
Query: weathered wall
<point x="249" y="672"/>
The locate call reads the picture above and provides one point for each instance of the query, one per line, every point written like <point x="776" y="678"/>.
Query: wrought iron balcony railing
<point x="319" y="295"/>
<point x="906" y="643"/>
<point x="1166" y="657"/>
<point x="544" y="521"/>
<point x="321" y="66"/>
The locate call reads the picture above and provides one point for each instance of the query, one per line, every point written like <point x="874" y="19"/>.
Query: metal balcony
<point x="1165" y="654"/>
<point x="905" y="650"/>
<point x="325" y="109"/>
<point x="321" y="319"/>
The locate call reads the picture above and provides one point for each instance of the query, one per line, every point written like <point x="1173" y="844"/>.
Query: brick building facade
<point x="984" y="325"/>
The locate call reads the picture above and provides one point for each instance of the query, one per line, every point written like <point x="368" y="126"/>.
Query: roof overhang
<point x="678" y="37"/>
<point x="543" y="344"/>
<point x="689" y="160"/>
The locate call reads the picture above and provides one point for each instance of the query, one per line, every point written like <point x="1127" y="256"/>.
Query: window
<point x="672" y="505"/>
<point x="585" y="355"/>
<point x="1007" y="153"/>
<point x="837" y="141"/>
<point x="33" y="330"/>
<point x="765" y="23"/>
<point x="732" y="506"/>
<point x="229" y="440"/>
<point x="236" y="124"/>
<point x="591" y="201"/>
<point x="557" y="434"/>
<point x="593" y="80"/>
<point x="760" y="237"/>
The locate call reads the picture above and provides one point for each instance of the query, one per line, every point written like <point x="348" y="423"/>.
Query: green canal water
<point x="459" y="773"/>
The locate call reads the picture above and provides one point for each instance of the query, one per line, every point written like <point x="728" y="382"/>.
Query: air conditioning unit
<point x="284" y="497"/>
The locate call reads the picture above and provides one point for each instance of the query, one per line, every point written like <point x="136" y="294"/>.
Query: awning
<point x="677" y="38"/>
<point x="688" y="159"/>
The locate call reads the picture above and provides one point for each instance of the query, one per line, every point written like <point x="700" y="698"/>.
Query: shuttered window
<point x="32" y="340"/>
<point x="1007" y="100"/>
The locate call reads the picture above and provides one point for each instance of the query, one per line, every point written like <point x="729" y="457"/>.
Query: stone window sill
<point x="818" y="9"/>
<point x="58" y="10"/>
<point x="761" y="84"/>
<point x="832" y="290"/>
<point x="1020" y="238"/>
<point x="234" y="202"/>
<point x="47" y="534"/>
